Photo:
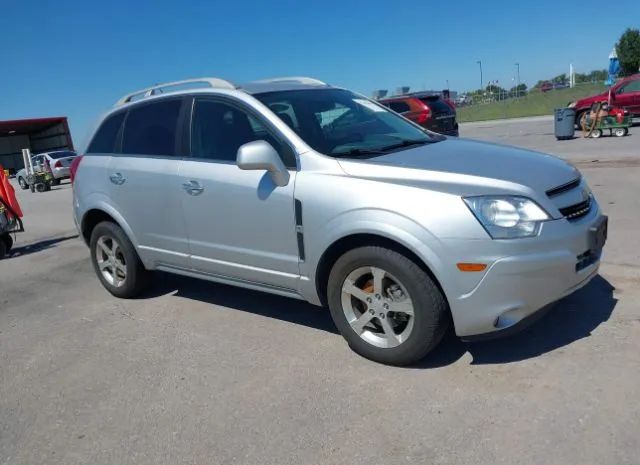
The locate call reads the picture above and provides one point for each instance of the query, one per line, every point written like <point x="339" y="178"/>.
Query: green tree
<point x="598" y="75"/>
<point x="628" y="48"/>
<point x="518" y="90"/>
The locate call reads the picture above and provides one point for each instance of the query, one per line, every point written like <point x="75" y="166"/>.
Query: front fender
<point x="383" y="223"/>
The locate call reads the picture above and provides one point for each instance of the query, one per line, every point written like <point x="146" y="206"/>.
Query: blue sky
<point x="76" y="58"/>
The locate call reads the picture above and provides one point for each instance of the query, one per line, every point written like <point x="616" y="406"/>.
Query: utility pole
<point x="518" y="81"/>
<point x="480" y="63"/>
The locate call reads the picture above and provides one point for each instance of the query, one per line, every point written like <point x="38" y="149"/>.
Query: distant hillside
<point x="535" y="103"/>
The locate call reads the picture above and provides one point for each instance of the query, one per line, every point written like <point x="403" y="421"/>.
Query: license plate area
<point x="597" y="239"/>
<point x="598" y="235"/>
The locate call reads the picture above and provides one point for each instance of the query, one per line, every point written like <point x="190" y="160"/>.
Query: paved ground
<point x="203" y="373"/>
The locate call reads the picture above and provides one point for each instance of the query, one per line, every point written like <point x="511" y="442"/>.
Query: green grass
<point x="536" y="103"/>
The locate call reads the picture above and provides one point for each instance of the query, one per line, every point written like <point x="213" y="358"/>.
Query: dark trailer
<point x="39" y="135"/>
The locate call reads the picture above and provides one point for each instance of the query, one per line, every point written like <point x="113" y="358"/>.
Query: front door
<point x="240" y="223"/>
<point x="628" y="97"/>
<point x="144" y="184"/>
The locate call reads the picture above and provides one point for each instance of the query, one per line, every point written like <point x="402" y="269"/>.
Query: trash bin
<point x="565" y="123"/>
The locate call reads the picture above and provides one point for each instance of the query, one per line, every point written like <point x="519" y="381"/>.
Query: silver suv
<point x="297" y="188"/>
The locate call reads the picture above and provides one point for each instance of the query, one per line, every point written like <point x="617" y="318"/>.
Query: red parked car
<point x="624" y="94"/>
<point x="429" y="111"/>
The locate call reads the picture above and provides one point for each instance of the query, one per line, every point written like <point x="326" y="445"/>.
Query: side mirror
<point x="260" y="155"/>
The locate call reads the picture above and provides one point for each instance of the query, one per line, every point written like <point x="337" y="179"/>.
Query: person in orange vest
<point x="8" y="195"/>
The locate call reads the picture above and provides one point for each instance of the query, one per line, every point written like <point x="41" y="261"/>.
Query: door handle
<point x="193" y="187"/>
<point x="117" y="179"/>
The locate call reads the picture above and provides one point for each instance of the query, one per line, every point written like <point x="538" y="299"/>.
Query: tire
<point x="8" y="242"/>
<point x="620" y="132"/>
<point x="23" y="184"/>
<point x="579" y="117"/>
<point x="55" y="182"/>
<point x="597" y="133"/>
<point x="123" y="276"/>
<point x="3" y="249"/>
<point x="414" y="335"/>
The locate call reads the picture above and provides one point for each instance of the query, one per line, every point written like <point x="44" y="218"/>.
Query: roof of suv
<point x="281" y="84"/>
<point x="211" y="84"/>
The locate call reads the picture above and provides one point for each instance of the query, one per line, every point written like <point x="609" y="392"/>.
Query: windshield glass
<point x="338" y="122"/>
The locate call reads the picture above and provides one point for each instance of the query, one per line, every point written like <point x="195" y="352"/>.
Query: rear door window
<point x="151" y="129"/>
<point x="105" y="139"/>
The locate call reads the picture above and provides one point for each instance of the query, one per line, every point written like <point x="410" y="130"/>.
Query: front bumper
<point x="522" y="282"/>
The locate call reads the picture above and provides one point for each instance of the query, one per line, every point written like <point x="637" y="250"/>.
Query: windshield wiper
<point x="356" y="153"/>
<point x="406" y="143"/>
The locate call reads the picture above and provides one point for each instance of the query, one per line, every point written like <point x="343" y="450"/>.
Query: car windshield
<point x="337" y="122"/>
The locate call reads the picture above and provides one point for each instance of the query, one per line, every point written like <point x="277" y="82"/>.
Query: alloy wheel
<point x="377" y="306"/>
<point x="111" y="261"/>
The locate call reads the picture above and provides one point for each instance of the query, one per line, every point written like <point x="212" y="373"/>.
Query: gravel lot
<point x="198" y="373"/>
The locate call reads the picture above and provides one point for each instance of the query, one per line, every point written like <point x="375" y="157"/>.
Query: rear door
<point x="628" y="96"/>
<point x="144" y="184"/>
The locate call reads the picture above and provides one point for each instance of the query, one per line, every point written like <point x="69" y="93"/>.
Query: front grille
<point x="563" y="188"/>
<point x="578" y="210"/>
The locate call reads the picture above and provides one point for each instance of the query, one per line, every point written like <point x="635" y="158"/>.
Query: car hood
<point x="587" y="101"/>
<point x="464" y="161"/>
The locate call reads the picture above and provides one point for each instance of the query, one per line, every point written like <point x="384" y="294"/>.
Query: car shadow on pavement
<point x="37" y="246"/>
<point x="245" y="300"/>
<point x="573" y="318"/>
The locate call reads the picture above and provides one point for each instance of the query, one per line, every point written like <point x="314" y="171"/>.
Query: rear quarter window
<point x="399" y="107"/>
<point x="104" y="141"/>
<point x="66" y="154"/>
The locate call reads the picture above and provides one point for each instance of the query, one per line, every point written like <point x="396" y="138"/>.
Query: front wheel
<point x="386" y="306"/>
<point x="23" y="183"/>
<point x="597" y="133"/>
<point x="620" y="132"/>
<point x="116" y="261"/>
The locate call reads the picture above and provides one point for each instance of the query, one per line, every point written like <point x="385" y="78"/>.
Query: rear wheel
<point x="23" y="183"/>
<point x="596" y="133"/>
<point x="8" y="241"/>
<point x="116" y="261"/>
<point x="620" y="132"/>
<point x="387" y="308"/>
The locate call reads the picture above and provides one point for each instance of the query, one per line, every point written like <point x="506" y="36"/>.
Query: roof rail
<point x="293" y="80"/>
<point x="157" y="89"/>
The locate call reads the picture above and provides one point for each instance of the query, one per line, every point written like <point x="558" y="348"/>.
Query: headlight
<point x="571" y="105"/>
<point x="507" y="216"/>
